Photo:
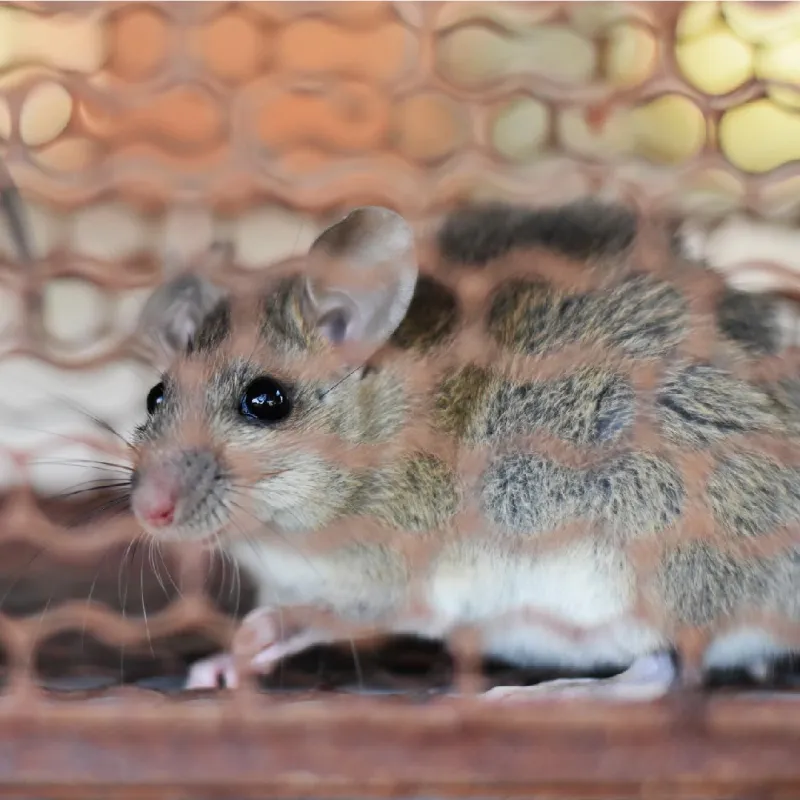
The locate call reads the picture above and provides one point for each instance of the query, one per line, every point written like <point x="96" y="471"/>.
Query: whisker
<point x="238" y="490"/>
<point x="356" y="663"/>
<point x="72" y="438"/>
<point x="85" y="462"/>
<point x="144" y="609"/>
<point x="89" y="600"/>
<point x="116" y="506"/>
<point x="217" y="516"/>
<point x="160" y="554"/>
<point x="124" y="558"/>
<point x="273" y="531"/>
<point x="225" y="555"/>
<point x="101" y="423"/>
<point x="95" y="488"/>
<point x="340" y="381"/>
<point x="235" y="587"/>
<point x="19" y="577"/>
<point x="152" y="562"/>
<point x="39" y="626"/>
<point x="129" y="550"/>
<point x="222" y="578"/>
<point x="236" y="580"/>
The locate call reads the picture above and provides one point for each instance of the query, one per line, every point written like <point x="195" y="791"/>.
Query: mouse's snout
<point x="155" y="504"/>
<point x="172" y="493"/>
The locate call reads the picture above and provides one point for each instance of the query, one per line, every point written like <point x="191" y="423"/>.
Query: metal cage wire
<point x="83" y="604"/>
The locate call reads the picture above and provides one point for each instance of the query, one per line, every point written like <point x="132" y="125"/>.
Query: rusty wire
<point x="266" y="741"/>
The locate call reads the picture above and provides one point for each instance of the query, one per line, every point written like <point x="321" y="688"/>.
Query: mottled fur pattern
<point x="632" y="495"/>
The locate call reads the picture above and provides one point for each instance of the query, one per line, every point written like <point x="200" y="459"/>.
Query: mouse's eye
<point x="154" y="398"/>
<point x="266" y="401"/>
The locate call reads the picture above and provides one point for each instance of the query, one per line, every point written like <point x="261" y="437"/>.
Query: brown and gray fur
<point x="625" y="494"/>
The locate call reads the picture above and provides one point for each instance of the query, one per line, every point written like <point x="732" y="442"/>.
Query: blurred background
<point x="138" y="133"/>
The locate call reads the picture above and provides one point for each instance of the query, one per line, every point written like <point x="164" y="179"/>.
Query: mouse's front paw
<point x="257" y="635"/>
<point x="259" y="632"/>
<point x="217" y="672"/>
<point x="265" y="636"/>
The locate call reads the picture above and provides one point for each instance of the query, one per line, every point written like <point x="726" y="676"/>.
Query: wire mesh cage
<point x="386" y="524"/>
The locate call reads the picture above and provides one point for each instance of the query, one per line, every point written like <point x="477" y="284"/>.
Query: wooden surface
<point x="688" y="746"/>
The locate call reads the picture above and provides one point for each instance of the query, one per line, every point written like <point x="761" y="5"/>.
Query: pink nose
<point x="155" y="504"/>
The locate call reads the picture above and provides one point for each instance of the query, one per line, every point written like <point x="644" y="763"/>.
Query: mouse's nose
<point x="172" y="491"/>
<point x="155" y="500"/>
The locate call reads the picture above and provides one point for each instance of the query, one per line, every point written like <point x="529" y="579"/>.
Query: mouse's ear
<point x="173" y="314"/>
<point x="374" y="278"/>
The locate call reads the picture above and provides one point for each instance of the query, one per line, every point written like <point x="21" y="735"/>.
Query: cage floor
<point x="138" y="744"/>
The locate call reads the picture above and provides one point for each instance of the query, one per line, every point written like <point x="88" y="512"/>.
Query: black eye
<point x="154" y="398"/>
<point x="265" y="400"/>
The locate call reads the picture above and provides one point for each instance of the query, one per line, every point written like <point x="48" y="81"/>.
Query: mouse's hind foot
<point x="648" y="678"/>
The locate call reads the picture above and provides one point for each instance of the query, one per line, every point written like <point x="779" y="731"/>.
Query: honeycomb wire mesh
<point x="294" y="115"/>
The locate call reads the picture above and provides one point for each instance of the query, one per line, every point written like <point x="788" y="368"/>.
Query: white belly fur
<point x="285" y="576"/>
<point x="577" y="587"/>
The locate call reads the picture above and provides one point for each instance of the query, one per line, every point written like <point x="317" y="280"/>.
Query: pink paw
<point x="217" y="672"/>
<point x="262" y="640"/>
<point x="260" y="630"/>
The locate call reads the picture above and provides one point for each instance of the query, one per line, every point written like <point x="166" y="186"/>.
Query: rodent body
<point x="513" y="554"/>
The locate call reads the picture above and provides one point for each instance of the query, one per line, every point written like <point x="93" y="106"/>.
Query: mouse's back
<point x="631" y="393"/>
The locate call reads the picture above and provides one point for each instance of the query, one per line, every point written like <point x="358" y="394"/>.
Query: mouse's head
<point x="227" y="448"/>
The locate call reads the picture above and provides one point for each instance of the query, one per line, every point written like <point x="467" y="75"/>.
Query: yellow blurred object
<point x="760" y="136"/>
<point x="595" y="17"/>
<point x="511" y="16"/>
<point x="763" y="22"/>
<point x="45" y="113"/>
<point x="780" y="62"/>
<point x="668" y="130"/>
<point x="697" y="18"/>
<point x="428" y="126"/>
<point x="62" y="41"/>
<point x="520" y="129"/>
<point x="68" y="155"/>
<point x="630" y="55"/>
<point x="5" y="120"/>
<point x="789" y="98"/>
<point x="716" y="62"/>
<point x="474" y="56"/>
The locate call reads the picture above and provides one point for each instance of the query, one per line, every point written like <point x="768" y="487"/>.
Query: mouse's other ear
<point x="375" y="276"/>
<point x="174" y="313"/>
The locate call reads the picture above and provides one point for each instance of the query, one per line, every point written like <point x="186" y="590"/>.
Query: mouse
<point x="499" y="433"/>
